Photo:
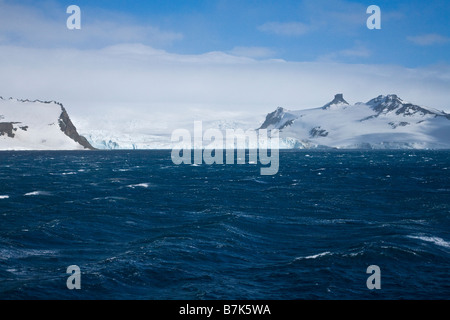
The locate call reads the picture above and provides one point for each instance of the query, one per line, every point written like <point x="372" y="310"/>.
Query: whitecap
<point x="140" y="185"/>
<point x="323" y="254"/>
<point x="37" y="193"/>
<point x="353" y="254"/>
<point x="4" y="197"/>
<point x="436" y="240"/>
<point x="109" y="198"/>
<point x="6" y="254"/>
<point x="62" y="173"/>
<point x="259" y="181"/>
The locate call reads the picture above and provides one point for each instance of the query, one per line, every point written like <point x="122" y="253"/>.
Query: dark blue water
<point x="140" y="227"/>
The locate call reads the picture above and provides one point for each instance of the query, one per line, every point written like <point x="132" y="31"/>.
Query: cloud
<point x="429" y="39"/>
<point x="253" y="52"/>
<point x="358" y="51"/>
<point x="342" y="18"/>
<point x="117" y="85"/>
<point x="284" y="28"/>
<point x="337" y="17"/>
<point x="45" y="26"/>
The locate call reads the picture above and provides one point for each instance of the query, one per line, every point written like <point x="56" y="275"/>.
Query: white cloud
<point x="253" y="52"/>
<point x="338" y="16"/>
<point x="429" y="39"/>
<point x="45" y="26"/>
<point x="125" y="83"/>
<point x="358" y="51"/>
<point x="342" y="17"/>
<point x="285" y="28"/>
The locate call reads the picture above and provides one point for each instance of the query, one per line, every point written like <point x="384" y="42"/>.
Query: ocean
<point x="140" y="227"/>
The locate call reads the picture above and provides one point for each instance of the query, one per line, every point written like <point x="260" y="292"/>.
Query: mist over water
<point x="140" y="227"/>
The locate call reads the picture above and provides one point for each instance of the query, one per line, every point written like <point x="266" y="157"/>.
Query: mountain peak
<point x="338" y="100"/>
<point x="386" y="100"/>
<point x="280" y="110"/>
<point x="280" y="118"/>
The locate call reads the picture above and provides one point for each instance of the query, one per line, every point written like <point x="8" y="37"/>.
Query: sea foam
<point x="436" y="240"/>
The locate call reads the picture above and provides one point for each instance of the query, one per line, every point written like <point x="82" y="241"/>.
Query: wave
<point x="140" y="185"/>
<point x="62" y="173"/>
<point x="349" y="254"/>
<point x="436" y="240"/>
<point x="319" y="255"/>
<point x="121" y="170"/>
<point x="16" y="253"/>
<point x="255" y="180"/>
<point x="38" y="193"/>
<point x="109" y="198"/>
<point x="4" y="197"/>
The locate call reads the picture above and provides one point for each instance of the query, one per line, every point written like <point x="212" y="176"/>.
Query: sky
<point x="178" y="59"/>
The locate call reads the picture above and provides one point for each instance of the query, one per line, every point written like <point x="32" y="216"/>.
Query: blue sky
<point x="414" y="33"/>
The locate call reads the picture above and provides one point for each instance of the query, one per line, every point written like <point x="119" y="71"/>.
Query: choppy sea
<point x="140" y="227"/>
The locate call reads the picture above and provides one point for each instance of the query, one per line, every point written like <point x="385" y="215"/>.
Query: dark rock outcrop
<point x="392" y="103"/>
<point x="70" y="130"/>
<point x="338" y="99"/>
<point x="7" y="128"/>
<point x="274" y="118"/>
<point x="318" y="132"/>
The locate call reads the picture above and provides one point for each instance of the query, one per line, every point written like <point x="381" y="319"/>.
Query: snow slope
<point x="138" y="139"/>
<point x="385" y="122"/>
<point x="37" y="125"/>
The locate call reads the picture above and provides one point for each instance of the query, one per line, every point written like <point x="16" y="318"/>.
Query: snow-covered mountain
<point x="385" y="122"/>
<point x="37" y="125"/>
